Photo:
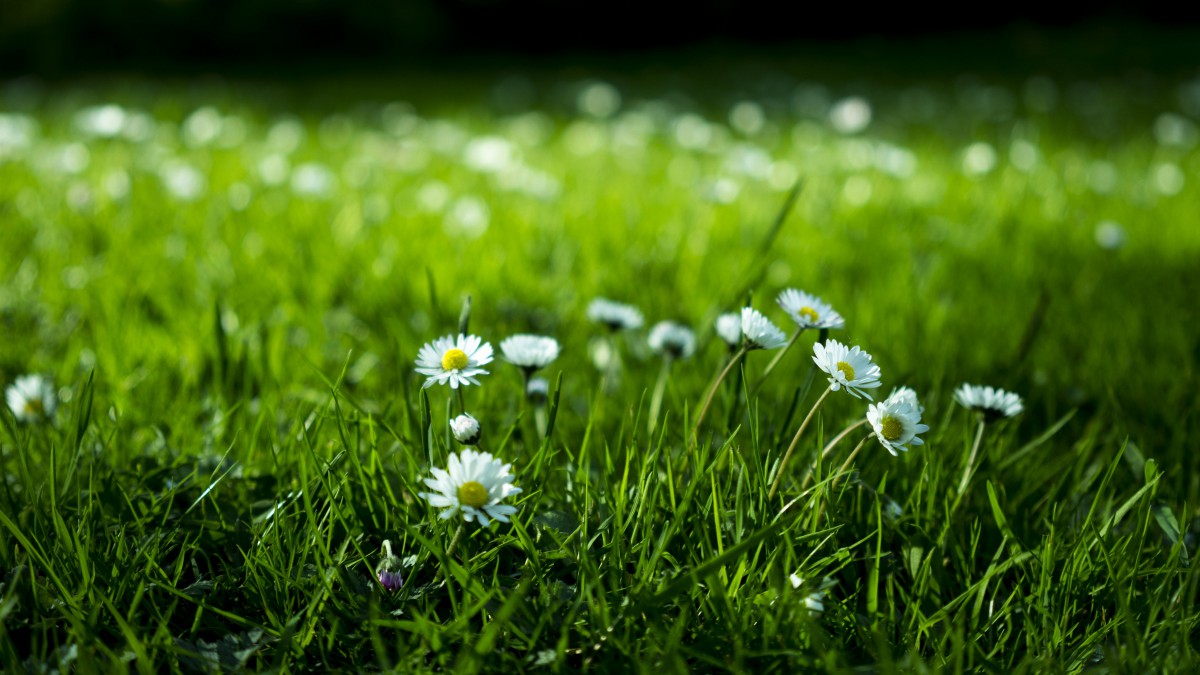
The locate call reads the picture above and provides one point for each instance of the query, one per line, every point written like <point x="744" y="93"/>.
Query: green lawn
<point x="229" y="284"/>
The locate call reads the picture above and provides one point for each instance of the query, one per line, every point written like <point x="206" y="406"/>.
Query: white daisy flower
<point x="809" y="311"/>
<point x="672" y="339"/>
<point x="759" y="332"/>
<point x="729" y="328"/>
<point x="538" y="390"/>
<point x="473" y="484"/>
<point x="529" y="352"/>
<point x="615" y="315"/>
<point x="814" y="601"/>
<point x="847" y="367"/>
<point x="31" y="398"/>
<point x="897" y="422"/>
<point x="454" y="360"/>
<point x="992" y="402"/>
<point x="466" y="429"/>
<point x="906" y="393"/>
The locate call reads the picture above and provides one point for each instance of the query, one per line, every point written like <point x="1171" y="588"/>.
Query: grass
<point x="240" y="426"/>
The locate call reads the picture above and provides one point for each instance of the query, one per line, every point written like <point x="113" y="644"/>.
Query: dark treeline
<point x="63" y="36"/>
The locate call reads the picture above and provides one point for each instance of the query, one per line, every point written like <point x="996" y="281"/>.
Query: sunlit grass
<point x="230" y="292"/>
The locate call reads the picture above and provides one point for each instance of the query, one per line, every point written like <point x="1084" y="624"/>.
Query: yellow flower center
<point x="454" y="359"/>
<point x="892" y="428"/>
<point x="34" y="407"/>
<point x="847" y="369"/>
<point x="808" y="313"/>
<point x="473" y="494"/>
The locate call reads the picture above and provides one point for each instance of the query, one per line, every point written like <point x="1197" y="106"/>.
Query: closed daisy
<point x="466" y="429"/>
<point x="454" y="360"/>
<point x="809" y="311"/>
<point x="848" y="368"/>
<point x="672" y="339"/>
<point x="31" y="398"/>
<point x="529" y="352"/>
<point x="758" y="332"/>
<point x="729" y="329"/>
<point x="615" y="315"/>
<point x="473" y="484"/>
<point x="992" y="403"/>
<point x="897" y="421"/>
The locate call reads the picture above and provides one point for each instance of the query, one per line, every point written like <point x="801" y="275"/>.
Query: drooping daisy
<point x="992" y="402"/>
<point x="847" y="367"/>
<point x="31" y="398"/>
<point x="672" y="339"/>
<point x="729" y="329"/>
<point x="529" y="352"/>
<point x="897" y="421"/>
<point x="809" y="311"/>
<point x="454" y="360"/>
<point x="758" y="332"/>
<point x="388" y="571"/>
<point x="473" y="484"/>
<point x="615" y="315"/>
<point x="466" y="429"/>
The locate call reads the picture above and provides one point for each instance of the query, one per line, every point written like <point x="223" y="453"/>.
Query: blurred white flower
<point x="615" y="315"/>
<point x="672" y="339"/>
<point x="529" y="352"/>
<point x="31" y="399"/>
<point x="993" y="403"/>
<point x="850" y="115"/>
<point x="729" y="328"/>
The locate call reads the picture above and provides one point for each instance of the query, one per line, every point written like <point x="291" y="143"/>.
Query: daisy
<point x="388" y="571"/>
<point x="758" y="331"/>
<point x="466" y="429"/>
<point x="529" y="352"/>
<point x="31" y="398"/>
<point x="672" y="339"/>
<point x="615" y="315"/>
<point x="729" y="328"/>
<point x="454" y="360"/>
<point x="991" y="402"/>
<point x="897" y="421"/>
<point x="847" y="367"/>
<point x="906" y="393"/>
<point x="474" y="485"/>
<point x="809" y="311"/>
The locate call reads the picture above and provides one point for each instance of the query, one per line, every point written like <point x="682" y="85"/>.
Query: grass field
<point x="229" y="284"/>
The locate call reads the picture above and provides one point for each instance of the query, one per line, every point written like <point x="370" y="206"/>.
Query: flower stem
<point x="775" y="361"/>
<point x="712" y="391"/>
<point x="656" y="398"/>
<point x="454" y="542"/>
<point x="962" y="486"/>
<point x="796" y="440"/>
<point x="853" y="453"/>
<point x="829" y="448"/>
<point x="462" y="402"/>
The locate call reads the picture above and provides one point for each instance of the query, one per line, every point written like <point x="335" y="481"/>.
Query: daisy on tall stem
<point x="672" y="341"/>
<point x="989" y="404"/>
<point x="806" y="311"/>
<point x="848" y="368"/>
<point x="757" y="332"/>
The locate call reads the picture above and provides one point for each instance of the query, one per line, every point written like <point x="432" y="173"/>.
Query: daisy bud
<point x="466" y="429"/>
<point x="388" y="571"/>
